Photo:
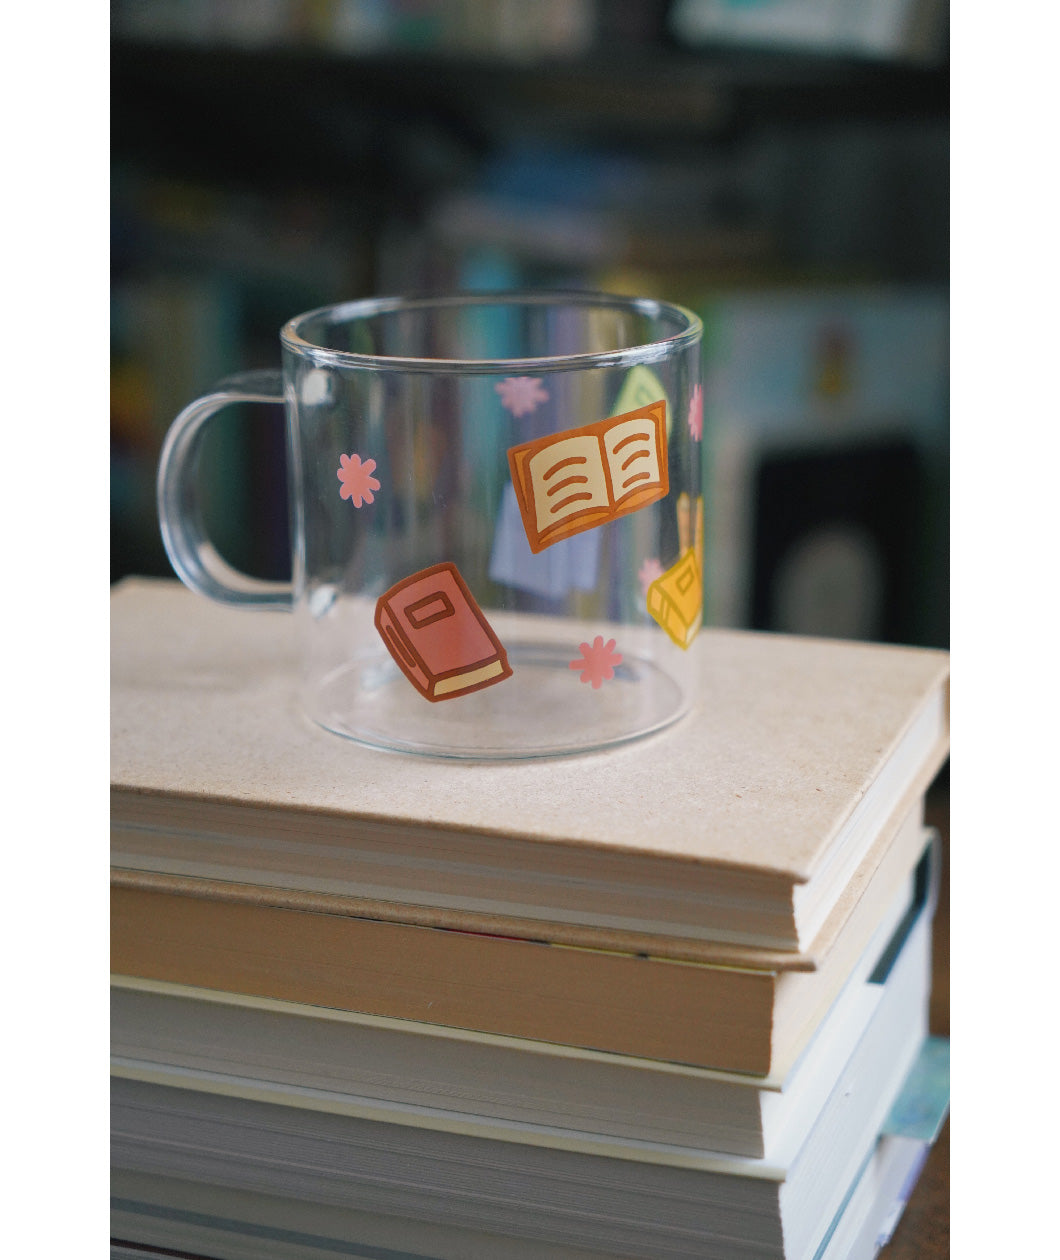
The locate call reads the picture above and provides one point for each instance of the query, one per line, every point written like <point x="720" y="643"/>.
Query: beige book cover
<point x="744" y="824"/>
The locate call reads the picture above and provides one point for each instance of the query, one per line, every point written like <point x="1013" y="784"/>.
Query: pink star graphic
<point x="521" y="395"/>
<point x="357" y="480"/>
<point x="648" y="572"/>
<point x="598" y="662"/>
<point x="695" y="413"/>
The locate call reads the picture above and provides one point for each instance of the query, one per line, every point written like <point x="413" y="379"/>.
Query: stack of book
<point x="666" y="1001"/>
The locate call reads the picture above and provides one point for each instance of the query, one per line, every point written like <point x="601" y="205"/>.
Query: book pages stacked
<point x="665" y="1001"/>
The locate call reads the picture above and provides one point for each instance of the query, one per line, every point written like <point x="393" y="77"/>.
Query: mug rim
<point x="292" y="336"/>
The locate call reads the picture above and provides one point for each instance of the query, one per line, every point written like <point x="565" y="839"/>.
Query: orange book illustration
<point x="675" y="599"/>
<point x="439" y="636"/>
<point x="572" y="481"/>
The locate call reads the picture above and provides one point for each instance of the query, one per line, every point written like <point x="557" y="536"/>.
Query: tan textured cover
<point x="786" y="737"/>
<point x="756" y="782"/>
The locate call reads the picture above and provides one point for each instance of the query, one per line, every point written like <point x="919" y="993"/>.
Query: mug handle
<point x="193" y="556"/>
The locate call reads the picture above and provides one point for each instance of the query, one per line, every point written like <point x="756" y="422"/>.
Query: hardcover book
<point x="754" y="1018"/>
<point x="158" y="1025"/>
<point x="548" y="1187"/>
<point x="797" y="764"/>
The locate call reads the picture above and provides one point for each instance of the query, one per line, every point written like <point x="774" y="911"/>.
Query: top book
<point x="740" y="828"/>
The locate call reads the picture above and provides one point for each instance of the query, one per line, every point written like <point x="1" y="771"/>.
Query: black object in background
<point x="836" y="541"/>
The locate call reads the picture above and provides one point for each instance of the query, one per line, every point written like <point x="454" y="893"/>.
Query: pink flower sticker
<point x="521" y="395"/>
<point x="648" y="572"/>
<point x="695" y="413"/>
<point x="598" y="662"/>
<point x="357" y="480"/>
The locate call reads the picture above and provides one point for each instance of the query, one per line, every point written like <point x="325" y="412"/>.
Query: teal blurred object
<point x="920" y="1110"/>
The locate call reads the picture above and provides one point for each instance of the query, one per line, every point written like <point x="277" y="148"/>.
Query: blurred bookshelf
<point x="788" y="180"/>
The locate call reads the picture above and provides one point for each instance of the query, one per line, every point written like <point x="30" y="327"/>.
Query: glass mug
<point x="496" y="518"/>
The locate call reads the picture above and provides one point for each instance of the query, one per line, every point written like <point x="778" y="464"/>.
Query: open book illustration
<point x="575" y="480"/>
<point x="439" y="636"/>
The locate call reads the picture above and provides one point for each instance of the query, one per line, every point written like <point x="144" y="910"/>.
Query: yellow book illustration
<point x="575" y="480"/>
<point x="675" y="599"/>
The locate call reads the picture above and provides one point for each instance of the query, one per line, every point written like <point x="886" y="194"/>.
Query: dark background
<point x="785" y="175"/>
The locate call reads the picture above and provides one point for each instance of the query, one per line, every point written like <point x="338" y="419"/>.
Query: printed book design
<point x="675" y="599"/>
<point x="575" y="480"/>
<point x="439" y="636"/>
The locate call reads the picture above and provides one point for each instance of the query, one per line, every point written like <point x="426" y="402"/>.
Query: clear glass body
<point x="430" y="435"/>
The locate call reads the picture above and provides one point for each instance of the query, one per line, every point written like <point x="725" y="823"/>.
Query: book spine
<point x="402" y="650"/>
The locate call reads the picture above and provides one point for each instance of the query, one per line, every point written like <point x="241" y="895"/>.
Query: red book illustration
<point x="439" y="636"/>
<point x="575" y="480"/>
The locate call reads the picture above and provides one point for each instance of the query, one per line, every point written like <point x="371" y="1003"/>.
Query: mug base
<point x="543" y="709"/>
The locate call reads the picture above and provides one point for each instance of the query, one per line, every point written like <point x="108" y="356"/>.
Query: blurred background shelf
<point x="643" y="92"/>
<point x="787" y="179"/>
